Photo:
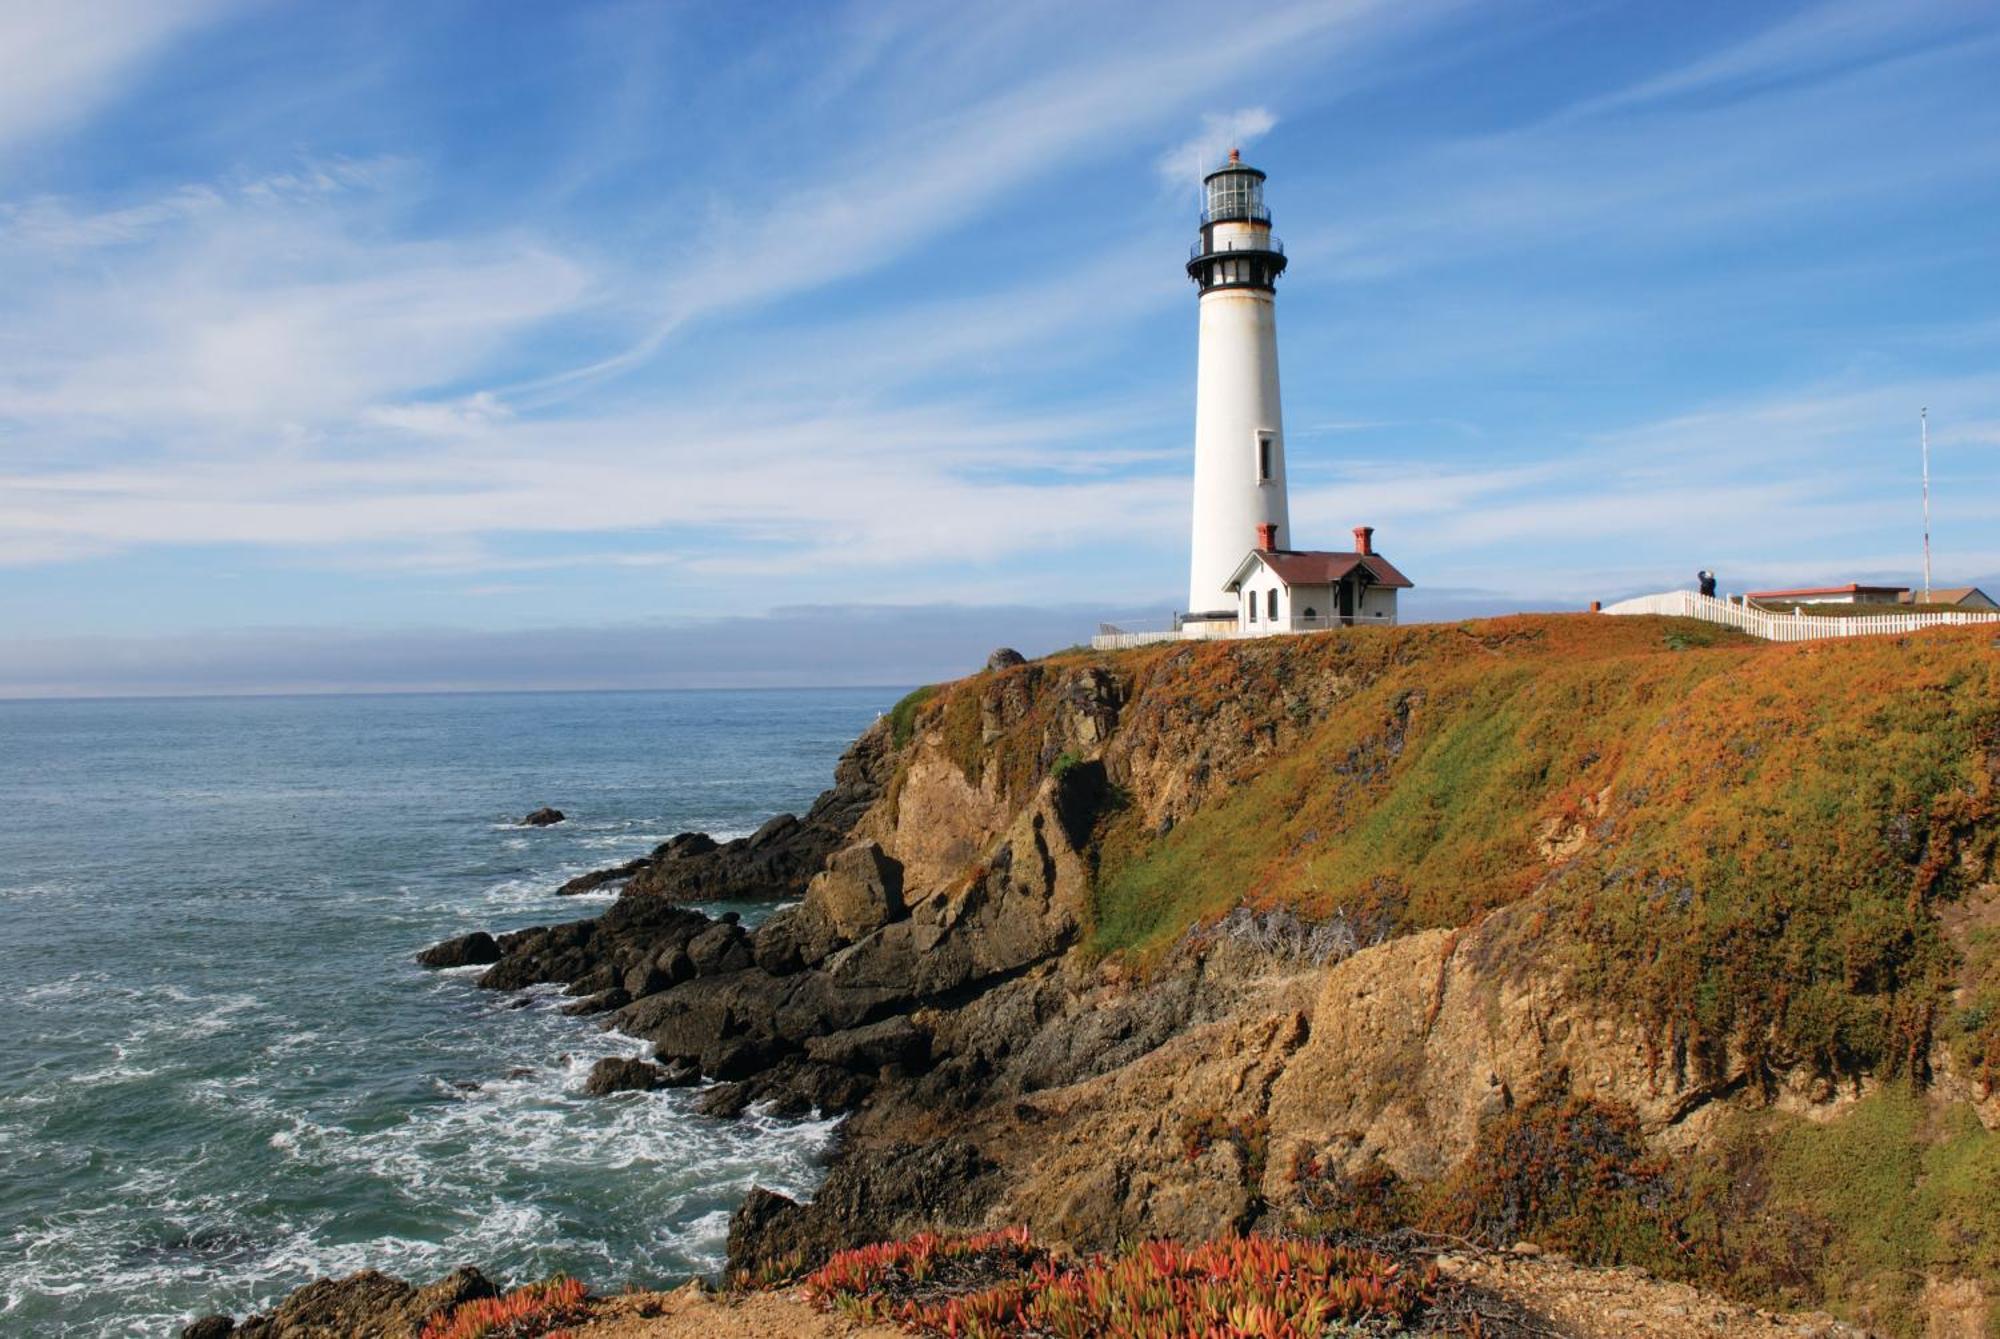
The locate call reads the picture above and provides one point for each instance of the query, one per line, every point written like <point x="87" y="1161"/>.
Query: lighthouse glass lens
<point x="1235" y="195"/>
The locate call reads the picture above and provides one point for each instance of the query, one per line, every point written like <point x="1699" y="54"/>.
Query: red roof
<point x="1312" y="567"/>
<point x="1849" y="589"/>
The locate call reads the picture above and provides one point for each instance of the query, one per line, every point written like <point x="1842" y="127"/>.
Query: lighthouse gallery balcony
<point x="1265" y="245"/>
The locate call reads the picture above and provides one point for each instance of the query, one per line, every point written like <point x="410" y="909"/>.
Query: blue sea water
<point x="221" y="1074"/>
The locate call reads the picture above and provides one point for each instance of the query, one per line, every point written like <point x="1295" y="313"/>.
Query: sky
<point x="503" y="345"/>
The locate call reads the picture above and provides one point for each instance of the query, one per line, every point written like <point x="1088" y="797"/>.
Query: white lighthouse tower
<point x="1239" y="434"/>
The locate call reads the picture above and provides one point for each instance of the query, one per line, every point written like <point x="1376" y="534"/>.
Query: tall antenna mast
<point x="1924" y="429"/>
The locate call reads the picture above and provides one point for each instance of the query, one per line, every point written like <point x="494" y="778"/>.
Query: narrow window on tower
<point x="1263" y="457"/>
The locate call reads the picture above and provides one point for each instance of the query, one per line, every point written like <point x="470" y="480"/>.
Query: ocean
<point x="221" y="1074"/>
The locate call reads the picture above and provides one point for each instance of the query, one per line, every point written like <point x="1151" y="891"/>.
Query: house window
<point x="1253" y="606"/>
<point x="1263" y="457"/>
<point x="1273" y="593"/>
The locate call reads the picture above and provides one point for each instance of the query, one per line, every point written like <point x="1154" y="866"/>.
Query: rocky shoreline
<point x="927" y="975"/>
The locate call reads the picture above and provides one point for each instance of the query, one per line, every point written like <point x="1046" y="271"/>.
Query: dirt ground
<point x="1575" y="1302"/>
<point x="1562" y="1301"/>
<point x="691" y="1313"/>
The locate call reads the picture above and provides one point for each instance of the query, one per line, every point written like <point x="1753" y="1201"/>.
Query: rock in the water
<point x="603" y="1002"/>
<point x="687" y="845"/>
<point x="475" y="949"/>
<point x="599" y="878"/>
<point x="617" y="1075"/>
<point x="1005" y="658"/>
<point x="544" y="817"/>
<point x="772" y="864"/>
<point x="209" y="1327"/>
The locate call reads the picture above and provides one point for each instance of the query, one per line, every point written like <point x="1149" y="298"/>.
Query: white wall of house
<point x="1311" y="606"/>
<point x="1253" y="604"/>
<point x="1378" y="604"/>
<point x="1304" y="606"/>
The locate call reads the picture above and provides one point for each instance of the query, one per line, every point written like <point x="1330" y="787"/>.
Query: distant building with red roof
<point x="1851" y="593"/>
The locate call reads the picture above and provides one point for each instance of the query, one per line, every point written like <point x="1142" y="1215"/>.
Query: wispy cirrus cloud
<point x="61" y="62"/>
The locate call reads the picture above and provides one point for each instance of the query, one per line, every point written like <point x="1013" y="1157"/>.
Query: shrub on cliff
<point x="999" y="1285"/>
<point x="526" y="1313"/>
<point x="1570" y="1173"/>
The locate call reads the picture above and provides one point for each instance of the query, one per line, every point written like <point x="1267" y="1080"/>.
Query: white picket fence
<point x="1790" y="627"/>
<point x="1120" y="639"/>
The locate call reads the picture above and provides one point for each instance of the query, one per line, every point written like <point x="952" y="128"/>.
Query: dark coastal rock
<point x="601" y="878"/>
<point x="773" y="863"/>
<point x="790" y="1089"/>
<point x="603" y="1002"/>
<point x="876" y="1046"/>
<point x="1005" y="657"/>
<point x="722" y="948"/>
<point x="543" y="817"/>
<point x="877" y="1193"/>
<point x="367" y="1305"/>
<point x="793" y="937"/>
<point x="730" y="1058"/>
<point x="595" y="955"/>
<point x="464" y="1284"/>
<point x="644" y="943"/>
<point x="618" y="1075"/>
<point x="209" y="1327"/>
<point x="475" y="949"/>
<point x="763" y="1227"/>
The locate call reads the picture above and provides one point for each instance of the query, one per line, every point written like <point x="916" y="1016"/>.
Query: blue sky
<point x="707" y="329"/>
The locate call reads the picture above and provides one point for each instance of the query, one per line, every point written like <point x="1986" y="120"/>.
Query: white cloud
<point x="1192" y="159"/>
<point x="61" y="60"/>
<point x="265" y="305"/>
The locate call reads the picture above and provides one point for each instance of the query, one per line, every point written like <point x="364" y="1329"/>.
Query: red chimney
<point x="1267" y="537"/>
<point x="1364" y="539"/>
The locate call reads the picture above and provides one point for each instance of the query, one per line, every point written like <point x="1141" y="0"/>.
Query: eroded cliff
<point x="1607" y="932"/>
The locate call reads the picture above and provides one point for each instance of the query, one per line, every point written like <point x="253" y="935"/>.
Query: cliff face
<point x="1605" y="931"/>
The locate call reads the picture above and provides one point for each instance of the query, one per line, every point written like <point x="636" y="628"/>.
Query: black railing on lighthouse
<point x="1222" y="245"/>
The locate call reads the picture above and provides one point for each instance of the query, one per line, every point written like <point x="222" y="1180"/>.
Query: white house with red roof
<point x="1302" y="590"/>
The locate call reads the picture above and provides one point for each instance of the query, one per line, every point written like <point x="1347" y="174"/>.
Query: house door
<point x="1345" y="595"/>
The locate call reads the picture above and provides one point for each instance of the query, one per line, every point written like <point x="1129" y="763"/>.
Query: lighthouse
<point x="1247" y="576"/>
<point x="1239" y="433"/>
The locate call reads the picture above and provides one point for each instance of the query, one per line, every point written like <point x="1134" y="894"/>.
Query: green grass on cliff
<point x="1857" y="1213"/>
<point x="1763" y="834"/>
<point x="903" y="716"/>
